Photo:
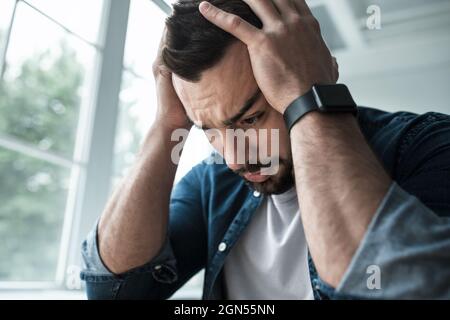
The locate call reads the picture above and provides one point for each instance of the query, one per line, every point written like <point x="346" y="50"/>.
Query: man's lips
<point x="256" y="177"/>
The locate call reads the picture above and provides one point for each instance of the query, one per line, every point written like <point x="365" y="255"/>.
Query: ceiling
<point x="413" y="33"/>
<point x="344" y="22"/>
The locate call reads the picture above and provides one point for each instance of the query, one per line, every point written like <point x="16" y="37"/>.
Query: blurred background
<point x="77" y="97"/>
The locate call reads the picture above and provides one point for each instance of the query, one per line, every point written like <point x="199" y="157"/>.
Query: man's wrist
<point x="316" y="122"/>
<point x="291" y="97"/>
<point x="327" y="99"/>
<point x="164" y="123"/>
<point x="161" y="125"/>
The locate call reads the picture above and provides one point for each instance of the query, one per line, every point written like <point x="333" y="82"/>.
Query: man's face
<point x="228" y="98"/>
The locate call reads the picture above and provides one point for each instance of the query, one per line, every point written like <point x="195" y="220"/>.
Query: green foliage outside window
<point x="38" y="105"/>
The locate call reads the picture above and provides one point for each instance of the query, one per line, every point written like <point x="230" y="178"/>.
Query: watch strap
<point x="299" y="108"/>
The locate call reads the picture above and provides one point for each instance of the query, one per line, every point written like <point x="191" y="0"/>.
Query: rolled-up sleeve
<point x="405" y="253"/>
<point x="134" y="284"/>
<point x="182" y="256"/>
<point x="91" y="255"/>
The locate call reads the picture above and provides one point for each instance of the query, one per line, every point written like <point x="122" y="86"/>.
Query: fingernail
<point x="204" y="6"/>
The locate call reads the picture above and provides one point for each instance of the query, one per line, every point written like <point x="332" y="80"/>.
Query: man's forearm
<point x="340" y="183"/>
<point x="133" y="226"/>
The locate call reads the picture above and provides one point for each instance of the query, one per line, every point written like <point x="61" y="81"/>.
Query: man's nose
<point x="230" y="157"/>
<point x="235" y="154"/>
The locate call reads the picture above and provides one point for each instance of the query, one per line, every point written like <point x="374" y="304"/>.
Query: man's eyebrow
<point x="247" y="106"/>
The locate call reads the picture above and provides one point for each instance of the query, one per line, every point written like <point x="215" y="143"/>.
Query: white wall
<point x="410" y="73"/>
<point x="418" y="90"/>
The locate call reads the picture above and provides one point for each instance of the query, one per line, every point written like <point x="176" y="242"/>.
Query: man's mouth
<point x="256" y="177"/>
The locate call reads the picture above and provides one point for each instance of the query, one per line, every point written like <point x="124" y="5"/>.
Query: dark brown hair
<point x="193" y="44"/>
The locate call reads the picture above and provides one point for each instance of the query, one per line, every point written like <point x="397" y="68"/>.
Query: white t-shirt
<point x="270" y="259"/>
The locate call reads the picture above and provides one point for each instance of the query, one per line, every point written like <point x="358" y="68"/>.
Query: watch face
<point x="334" y="98"/>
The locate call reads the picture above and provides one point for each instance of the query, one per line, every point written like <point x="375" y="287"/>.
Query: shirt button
<point x="158" y="267"/>
<point x="222" y="246"/>
<point x="256" y="194"/>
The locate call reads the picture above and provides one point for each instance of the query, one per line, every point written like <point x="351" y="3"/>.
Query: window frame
<point x="91" y="166"/>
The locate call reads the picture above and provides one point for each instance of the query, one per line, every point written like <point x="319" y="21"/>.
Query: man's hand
<point x="288" y="55"/>
<point x="171" y="113"/>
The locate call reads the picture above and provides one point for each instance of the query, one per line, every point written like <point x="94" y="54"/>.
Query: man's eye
<point x="252" y="120"/>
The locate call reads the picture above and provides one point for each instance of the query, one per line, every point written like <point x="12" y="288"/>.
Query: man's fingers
<point x="302" y="7"/>
<point x="228" y="22"/>
<point x="264" y="9"/>
<point x="285" y="7"/>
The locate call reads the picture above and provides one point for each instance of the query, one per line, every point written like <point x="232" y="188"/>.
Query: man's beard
<point x="276" y="184"/>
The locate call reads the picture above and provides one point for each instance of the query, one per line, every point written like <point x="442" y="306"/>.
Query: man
<point x="358" y="208"/>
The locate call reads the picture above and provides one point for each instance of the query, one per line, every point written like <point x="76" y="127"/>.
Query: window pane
<point x="6" y="10"/>
<point x="136" y="114"/>
<point x="81" y="16"/>
<point x="44" y="83"/>
<point x="145" y="27"/>
<point x="32" y="194"/>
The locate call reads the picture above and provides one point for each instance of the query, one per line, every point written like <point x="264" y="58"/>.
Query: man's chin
<point x="278" y="183"/>
<point x="272" y="185"/>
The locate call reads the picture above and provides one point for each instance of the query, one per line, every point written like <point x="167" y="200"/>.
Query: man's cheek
<point x="215" y="139"/>
<point x="269" y="151"/>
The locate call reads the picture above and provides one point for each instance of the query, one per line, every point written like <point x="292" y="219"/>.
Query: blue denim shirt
<point x="408" y="239"/>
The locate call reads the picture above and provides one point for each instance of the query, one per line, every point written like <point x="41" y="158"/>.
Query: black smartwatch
<point x="334" y="98"/>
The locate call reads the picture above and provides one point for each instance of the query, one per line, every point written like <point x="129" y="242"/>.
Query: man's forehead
<point x="222" y="90"/>
<point x="217" y="113"/>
